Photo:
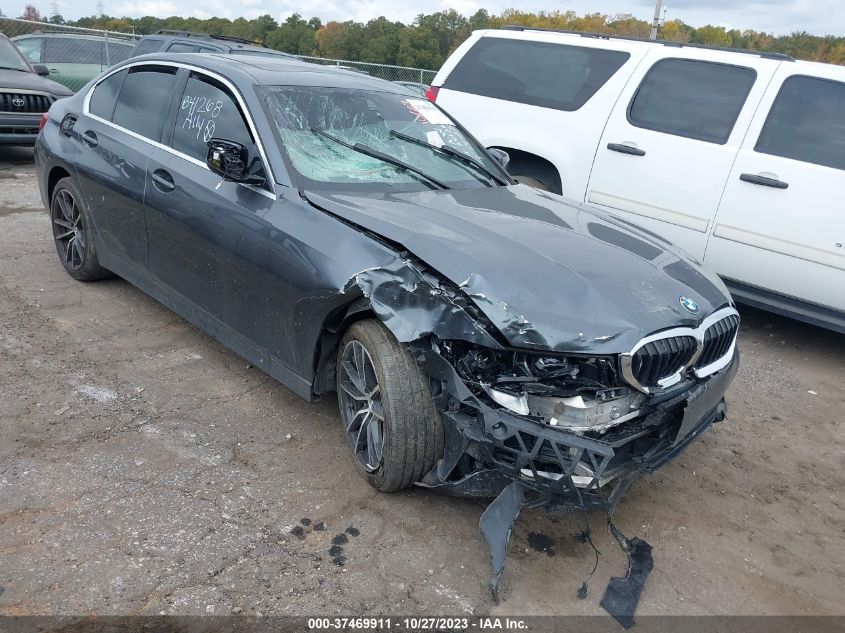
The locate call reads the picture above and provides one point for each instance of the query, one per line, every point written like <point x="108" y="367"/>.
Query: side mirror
<point x="500" y="156"/>
<point x="230" y="161"/>
<point x="41" y="69"/>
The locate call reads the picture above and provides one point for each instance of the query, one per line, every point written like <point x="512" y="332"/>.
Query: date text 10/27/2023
<point x="417" y="623"/>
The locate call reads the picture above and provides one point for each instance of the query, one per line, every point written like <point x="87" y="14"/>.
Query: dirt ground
<point x="145" y="469"/>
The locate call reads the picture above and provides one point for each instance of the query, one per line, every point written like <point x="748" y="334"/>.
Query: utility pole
<point x="656" y="22"/>
<point x="100" y="9"/>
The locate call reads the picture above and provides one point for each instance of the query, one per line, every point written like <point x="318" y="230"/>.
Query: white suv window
<point x="691" y="98"/>
<point x="806" y="122"/>
<point x="534" y="73"/>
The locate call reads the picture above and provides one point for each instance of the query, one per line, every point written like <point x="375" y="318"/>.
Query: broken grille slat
<point x="655" y="362"/>
<point x="646" y="362"/>
<point x="660" y="359"/>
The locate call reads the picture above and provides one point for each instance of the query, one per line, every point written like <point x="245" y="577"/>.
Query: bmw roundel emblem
<point x="689" y="305"/>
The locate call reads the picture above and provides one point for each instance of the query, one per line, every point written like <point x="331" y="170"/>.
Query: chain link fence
<point x="73" y="56"/>
<point x="382" y="71"/>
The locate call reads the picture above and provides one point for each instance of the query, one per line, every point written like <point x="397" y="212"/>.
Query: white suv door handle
<point x="625" y="148"/>
<point x="766" y="181"/>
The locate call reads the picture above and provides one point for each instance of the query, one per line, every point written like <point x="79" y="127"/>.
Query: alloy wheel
<point x="68" y="230"/>
<point x="361" y="408"/>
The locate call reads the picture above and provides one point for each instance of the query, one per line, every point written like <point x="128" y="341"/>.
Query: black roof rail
<point x="227" y="38"/>
<point x="608" y="36"/>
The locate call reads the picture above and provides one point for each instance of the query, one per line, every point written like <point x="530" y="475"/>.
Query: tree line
<point x="431" y="38"/>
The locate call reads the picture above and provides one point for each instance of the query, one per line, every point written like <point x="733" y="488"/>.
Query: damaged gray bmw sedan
<point x="343" y="234"/>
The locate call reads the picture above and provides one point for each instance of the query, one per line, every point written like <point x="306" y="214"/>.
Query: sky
<point x="819" y="17"/>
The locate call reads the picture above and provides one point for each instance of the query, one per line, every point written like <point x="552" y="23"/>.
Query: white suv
<point x="736" y="156"/>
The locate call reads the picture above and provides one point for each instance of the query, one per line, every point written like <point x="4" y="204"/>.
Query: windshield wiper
<point x="453" y="153"/>
<point x="22" y="70"/>
<point x="374" y="153"/>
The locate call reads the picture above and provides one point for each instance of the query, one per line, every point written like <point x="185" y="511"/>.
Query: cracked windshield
<point x="346" y="139"/>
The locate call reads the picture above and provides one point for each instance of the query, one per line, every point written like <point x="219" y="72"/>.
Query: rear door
<point x="125" y="118"/>
<point x="667" y="149"/>
<point x="781" y="223"/>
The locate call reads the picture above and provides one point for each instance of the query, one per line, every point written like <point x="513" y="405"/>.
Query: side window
<point x="181" y="47"/>
<point x="690" y="98"/>
<point x="534" y="73"/>
<point x="207" y="110"/>
<point x="149" y="45"/>
<point x="105" y="95"/>
<point x="71" y="50"/>
<point x="807" y="122"/>
<point x="31" y="49"/>
<point x="144" y="98"/>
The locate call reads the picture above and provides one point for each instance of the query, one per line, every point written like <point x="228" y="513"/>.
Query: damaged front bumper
<point x="487" y="447"/>
<point x="489" y="451"/>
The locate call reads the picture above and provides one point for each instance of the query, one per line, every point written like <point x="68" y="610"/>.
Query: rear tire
<point x="73" y="233"/>
<point x="388" y="414"/>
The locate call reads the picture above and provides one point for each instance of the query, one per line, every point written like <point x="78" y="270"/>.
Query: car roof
<point x="80" y="36"/>
<point x="529" y="32"/>
<point x="274" y="71"/>
<point x="810" y="66"/>
<point x="233" y="44"/>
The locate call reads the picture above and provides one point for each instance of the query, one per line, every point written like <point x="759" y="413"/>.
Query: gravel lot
<point x="146" y="469"/>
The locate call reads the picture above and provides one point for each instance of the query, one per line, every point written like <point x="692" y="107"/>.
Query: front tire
<point x="388" y="414"/>
<point x="73" y="233"/>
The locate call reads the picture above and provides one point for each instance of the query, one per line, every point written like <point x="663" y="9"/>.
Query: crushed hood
<point x="20" y="80"/>
<point x="548" y="273"/>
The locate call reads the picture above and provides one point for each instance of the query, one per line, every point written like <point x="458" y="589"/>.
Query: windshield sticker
<point x="426" y="112"/>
